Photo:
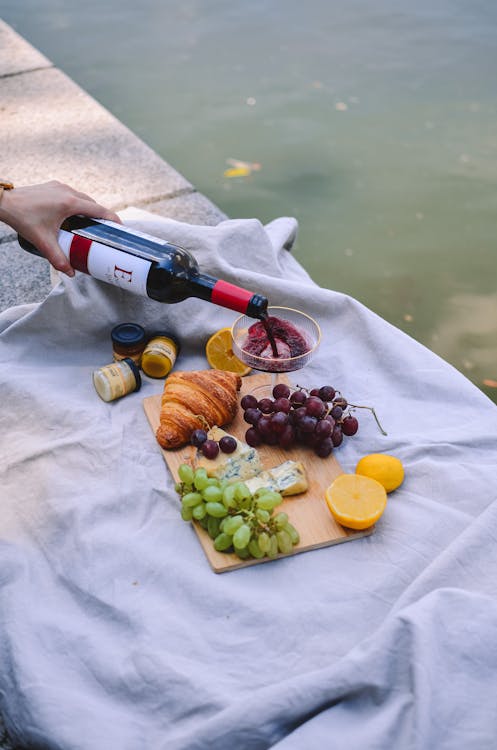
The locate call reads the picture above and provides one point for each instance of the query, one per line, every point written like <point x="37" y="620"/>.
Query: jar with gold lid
<point x="160" y="354"/>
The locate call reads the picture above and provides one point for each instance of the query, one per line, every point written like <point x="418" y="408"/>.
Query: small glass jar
<point x="117" y="379"/>
<point x="160" y="354"/>
<point x="128" y="340"/>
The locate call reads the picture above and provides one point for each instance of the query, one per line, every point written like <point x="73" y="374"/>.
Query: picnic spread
<point x="116" y="631"/>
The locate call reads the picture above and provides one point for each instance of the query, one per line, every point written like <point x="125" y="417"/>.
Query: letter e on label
<point x="116" y="267"/>
<point x="122" y="275"/>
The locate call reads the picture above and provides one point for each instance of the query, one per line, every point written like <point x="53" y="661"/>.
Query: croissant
<point x="192" y="398"/>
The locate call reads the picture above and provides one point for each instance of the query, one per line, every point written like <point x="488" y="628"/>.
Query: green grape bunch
<point x="235" y="519"/>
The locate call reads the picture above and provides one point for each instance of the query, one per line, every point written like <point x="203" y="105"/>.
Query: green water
<point x="374" y="124"/>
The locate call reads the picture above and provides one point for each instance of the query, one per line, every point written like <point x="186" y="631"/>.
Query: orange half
<point x="356" y="501"/>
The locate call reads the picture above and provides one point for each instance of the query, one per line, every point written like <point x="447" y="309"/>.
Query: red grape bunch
<point x="318" y="418"/>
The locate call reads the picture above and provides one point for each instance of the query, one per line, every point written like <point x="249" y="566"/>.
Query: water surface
<point x="374" y="124"/>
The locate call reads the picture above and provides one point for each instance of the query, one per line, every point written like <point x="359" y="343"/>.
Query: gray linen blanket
<point x="115" y="634"/>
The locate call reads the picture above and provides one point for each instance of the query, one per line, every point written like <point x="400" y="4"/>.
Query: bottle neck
<point x="228" y="295"/>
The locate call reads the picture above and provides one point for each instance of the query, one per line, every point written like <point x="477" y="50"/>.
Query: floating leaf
<point x="239" y="168"/>
<point x="253" y="165"/>
<point x="237" y="172"/>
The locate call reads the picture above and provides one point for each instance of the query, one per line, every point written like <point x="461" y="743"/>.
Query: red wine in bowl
<point x="276" y="344"/>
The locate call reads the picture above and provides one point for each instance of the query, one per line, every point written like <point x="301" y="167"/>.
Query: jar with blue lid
<point x="128" y="341"/>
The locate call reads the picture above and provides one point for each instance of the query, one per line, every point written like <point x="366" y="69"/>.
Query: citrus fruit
<point x="387" y="470"/>
<point x="356" y="501"/>
<point x="219" y="353"/>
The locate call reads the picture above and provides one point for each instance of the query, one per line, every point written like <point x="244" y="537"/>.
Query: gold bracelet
<point x="5" y="185"/>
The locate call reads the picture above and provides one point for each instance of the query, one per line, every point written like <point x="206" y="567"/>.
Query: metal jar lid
<point x="128" y="334"/>
<point x="135" y="370"/>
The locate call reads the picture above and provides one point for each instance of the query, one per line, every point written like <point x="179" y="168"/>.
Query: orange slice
<point x="356" y="501"/>
<point x="219" y="353"/>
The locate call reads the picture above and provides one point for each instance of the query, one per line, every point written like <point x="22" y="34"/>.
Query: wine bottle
<point x="146" y="265"/>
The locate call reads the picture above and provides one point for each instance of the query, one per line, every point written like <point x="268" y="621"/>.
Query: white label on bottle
<point x="65" y="239"/>
<point x="121" y="269"/>
<point x="106" y="263"/>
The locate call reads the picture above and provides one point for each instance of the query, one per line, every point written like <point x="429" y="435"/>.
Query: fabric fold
<point x="115" y="632"/>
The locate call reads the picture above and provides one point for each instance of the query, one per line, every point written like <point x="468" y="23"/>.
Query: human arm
<point x="37" y="211"/>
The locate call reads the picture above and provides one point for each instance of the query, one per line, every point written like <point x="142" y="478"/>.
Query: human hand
<point x="37" y="211"/>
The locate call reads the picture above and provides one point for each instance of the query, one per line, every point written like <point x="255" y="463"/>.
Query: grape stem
<point x="354" y="406"/>
<point x="203" y="421"/>
<point x="371" y="409"/>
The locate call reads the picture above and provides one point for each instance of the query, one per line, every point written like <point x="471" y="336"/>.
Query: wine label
<point x="106" y="263"/>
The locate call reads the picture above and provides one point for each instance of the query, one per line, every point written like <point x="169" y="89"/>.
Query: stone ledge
<point x="25" y="277"/>
<point x="17" y="55"/>
<point x="193" y="208"/>
<point x="51" y="129"/>
<point x="7" y="234"/>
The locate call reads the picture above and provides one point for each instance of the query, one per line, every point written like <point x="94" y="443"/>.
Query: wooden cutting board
<point x="308" y="512"/>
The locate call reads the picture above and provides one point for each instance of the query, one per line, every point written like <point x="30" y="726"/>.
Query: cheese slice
<point x="238" y="466"/>
<point x="289" y="478"/>
<point x="264" y="479"/>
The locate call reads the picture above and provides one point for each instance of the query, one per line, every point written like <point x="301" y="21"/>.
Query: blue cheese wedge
<point x="238" y="466"/>
<point x="289" y="478"/>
